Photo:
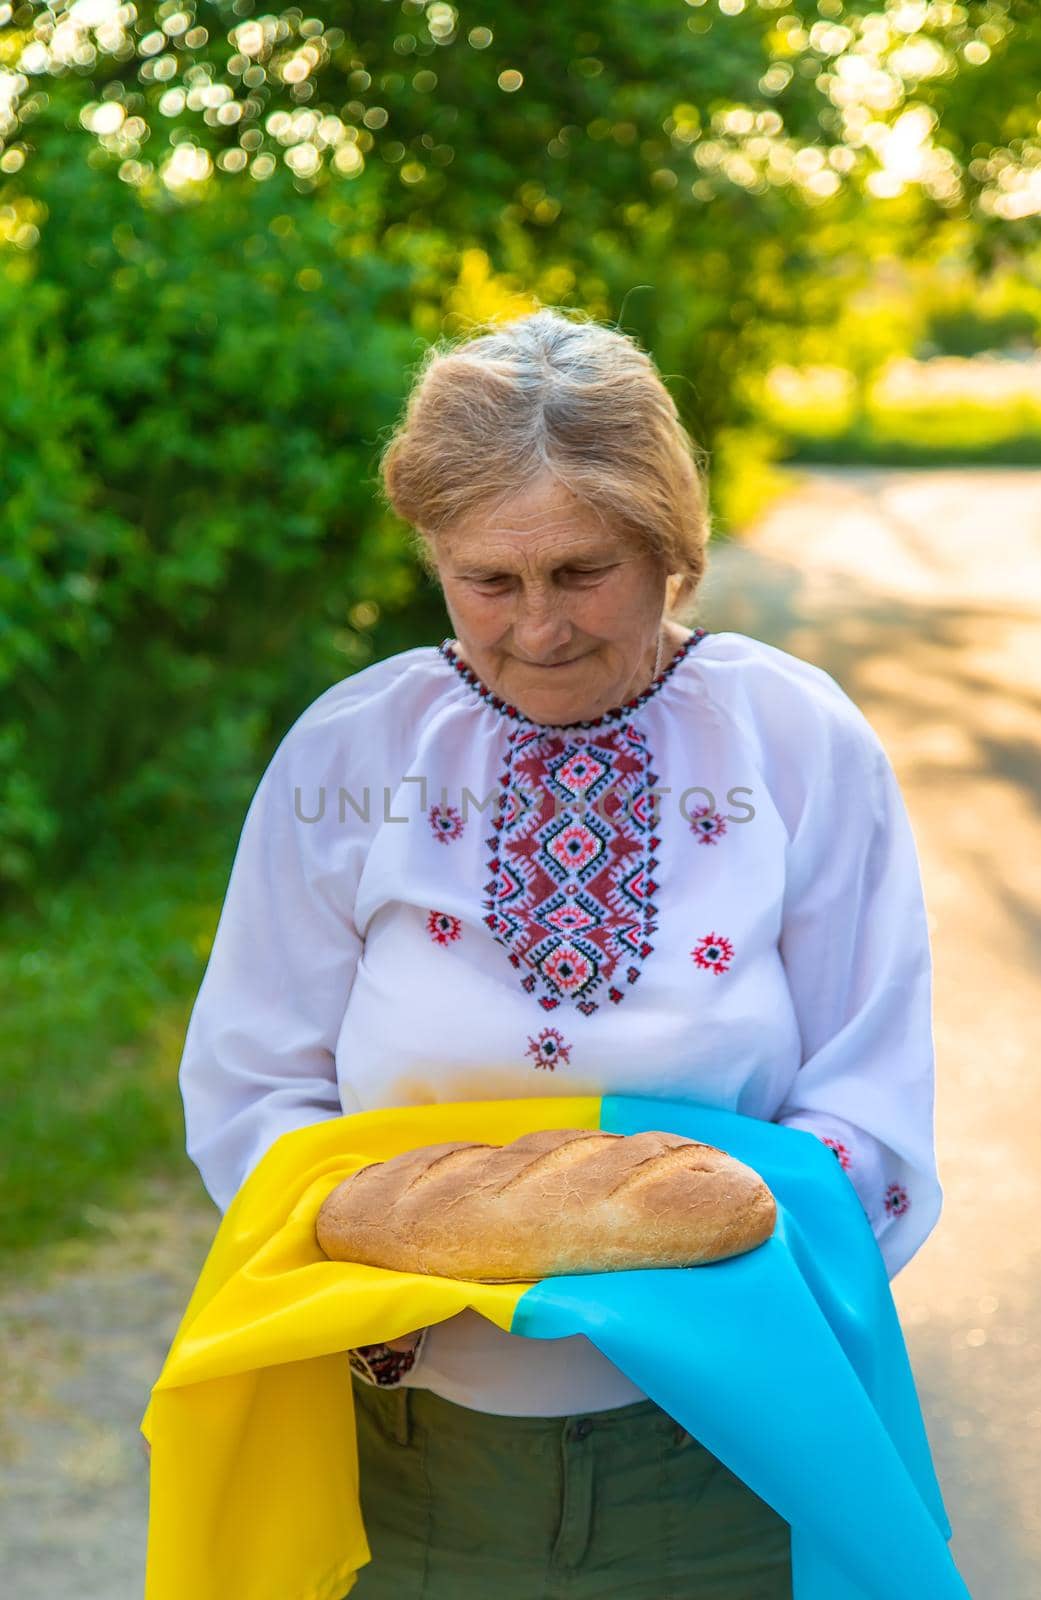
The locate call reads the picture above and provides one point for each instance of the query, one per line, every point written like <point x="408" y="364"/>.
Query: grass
<point x="97" y="984"/>
<point x="917" y="414"/>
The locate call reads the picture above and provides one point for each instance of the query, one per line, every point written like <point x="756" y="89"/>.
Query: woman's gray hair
<point x="558" y="393"/>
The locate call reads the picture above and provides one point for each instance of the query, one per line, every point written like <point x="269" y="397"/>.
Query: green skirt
<point x="613" y="1505"/>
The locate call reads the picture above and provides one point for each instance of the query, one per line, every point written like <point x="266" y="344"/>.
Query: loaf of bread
<point x="556" y="1201"/>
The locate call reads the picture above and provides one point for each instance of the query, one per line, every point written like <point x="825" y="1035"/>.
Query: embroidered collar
<point x="470" y="678"/>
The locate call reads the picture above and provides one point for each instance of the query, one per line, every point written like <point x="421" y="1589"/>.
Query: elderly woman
<point x="579" y="848"/>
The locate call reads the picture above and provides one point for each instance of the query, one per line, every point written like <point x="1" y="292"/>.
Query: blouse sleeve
<point x="855" y="947"/>
<point x="259" y="1052"/>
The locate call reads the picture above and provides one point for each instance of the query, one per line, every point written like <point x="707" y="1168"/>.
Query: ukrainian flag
<point x="787" y="1362"/>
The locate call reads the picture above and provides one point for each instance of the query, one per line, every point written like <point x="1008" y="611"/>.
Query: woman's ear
<point x="680" y="590"/>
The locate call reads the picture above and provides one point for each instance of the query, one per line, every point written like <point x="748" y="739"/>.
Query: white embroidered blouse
<point x="711" y="892"/>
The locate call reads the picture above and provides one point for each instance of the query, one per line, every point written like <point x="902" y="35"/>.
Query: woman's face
<point x="554" y="612"/>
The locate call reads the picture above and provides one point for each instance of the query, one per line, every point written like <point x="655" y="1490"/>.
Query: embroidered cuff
<point x="861" y="1157"/>
<point x="380" y="1365"/>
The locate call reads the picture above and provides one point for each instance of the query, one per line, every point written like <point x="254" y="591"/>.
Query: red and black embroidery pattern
<point x="380" y="1365"/>
<point x="839" y="1150"/>
<point x="713" y="952"/>
<point x="549" y="1048"/>
<point x="708" y="825"/>
<point x="897" y="1200"/>
<point x="442" y="928"/>
<point x="571" y="892"/>
<point x="446" y="823"/>
<point x="470" y="677"/>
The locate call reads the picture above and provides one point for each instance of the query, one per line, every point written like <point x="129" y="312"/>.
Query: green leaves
<point x="186" y="475"/>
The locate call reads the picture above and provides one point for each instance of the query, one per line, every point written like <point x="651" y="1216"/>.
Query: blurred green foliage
<point x="967" y="319"/>
<point x="924" y="436"/>
<point x="862" y="397"/>
<point x="188" y="513"/>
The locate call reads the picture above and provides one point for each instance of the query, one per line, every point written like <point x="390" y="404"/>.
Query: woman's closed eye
<point x="585" y="573"/>
<point x="491" y="585"/>
<point x="499" y="583"/>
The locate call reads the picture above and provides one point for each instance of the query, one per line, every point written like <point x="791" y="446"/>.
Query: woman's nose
<point x="541" y="638"/>
<point x="541" y="629"/>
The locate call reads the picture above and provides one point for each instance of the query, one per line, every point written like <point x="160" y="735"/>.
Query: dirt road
<point x="921" y="593"/>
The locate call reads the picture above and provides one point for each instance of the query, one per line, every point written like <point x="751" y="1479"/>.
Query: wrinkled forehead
<point x="534" y="529"/>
